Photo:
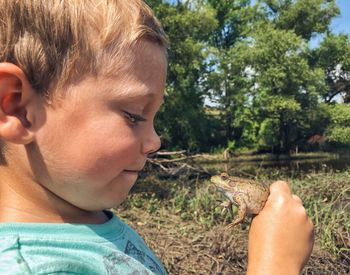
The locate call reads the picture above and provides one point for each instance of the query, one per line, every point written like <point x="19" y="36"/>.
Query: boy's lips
<point x="131" y="171"/>
<point x="136" y="169"/>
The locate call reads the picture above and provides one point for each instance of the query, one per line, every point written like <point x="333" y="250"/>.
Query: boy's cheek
<point x="105" y="161"/>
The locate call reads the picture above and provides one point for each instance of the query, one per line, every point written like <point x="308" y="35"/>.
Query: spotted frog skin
<point x="248" y="195"/>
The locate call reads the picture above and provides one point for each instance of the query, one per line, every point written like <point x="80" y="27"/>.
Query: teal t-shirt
<point x="51" y="248"/>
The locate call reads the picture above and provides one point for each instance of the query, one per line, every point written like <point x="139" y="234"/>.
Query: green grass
<point x="327" y="200"/>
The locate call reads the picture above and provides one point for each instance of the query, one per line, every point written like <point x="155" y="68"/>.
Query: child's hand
<point x="281" y="237"/>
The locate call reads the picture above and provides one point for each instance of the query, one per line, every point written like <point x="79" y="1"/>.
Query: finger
<point x="296" y="198"/>
<point x="280" y="188"/>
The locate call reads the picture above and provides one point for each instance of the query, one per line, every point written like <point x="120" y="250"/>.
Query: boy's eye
<point x="134" y="118"/>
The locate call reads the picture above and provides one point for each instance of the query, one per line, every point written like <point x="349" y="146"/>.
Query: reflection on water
<point x="293" y="168"/>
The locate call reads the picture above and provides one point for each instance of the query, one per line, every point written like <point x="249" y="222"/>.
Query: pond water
<point x="291" y="167"/>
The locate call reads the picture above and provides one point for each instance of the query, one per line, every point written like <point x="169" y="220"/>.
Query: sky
<point x="342" y="22"/>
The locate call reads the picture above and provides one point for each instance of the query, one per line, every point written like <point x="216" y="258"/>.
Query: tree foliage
<point x="304" y="18"/>
<point x="339" y="129"/>
<point x="183" y="122"/>
<point x="242" y="74"/>
<point x="333" y="57"/>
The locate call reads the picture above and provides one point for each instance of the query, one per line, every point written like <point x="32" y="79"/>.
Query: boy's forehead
<point x="131" y="91"/>
<point x="143" y="54"/>
<point x="139" y="75"/>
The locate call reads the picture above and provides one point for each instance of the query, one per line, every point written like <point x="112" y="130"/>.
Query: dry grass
<point x="180" y="220"/>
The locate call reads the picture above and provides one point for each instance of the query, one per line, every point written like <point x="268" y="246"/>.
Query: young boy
<point x="80" y="84"/>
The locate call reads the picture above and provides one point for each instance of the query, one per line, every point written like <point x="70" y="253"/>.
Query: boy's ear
<point x="15" y="95"/>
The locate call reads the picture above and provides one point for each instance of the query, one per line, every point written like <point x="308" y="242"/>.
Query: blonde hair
<point x="56" y="42"/>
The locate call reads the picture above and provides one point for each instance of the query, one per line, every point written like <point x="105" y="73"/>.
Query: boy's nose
<point x="151" y="142"/>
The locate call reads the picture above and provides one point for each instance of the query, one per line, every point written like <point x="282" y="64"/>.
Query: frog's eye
<point x="224" y="176"/>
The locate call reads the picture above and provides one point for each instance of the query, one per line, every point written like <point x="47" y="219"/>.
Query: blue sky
<point x="342" y="22"/>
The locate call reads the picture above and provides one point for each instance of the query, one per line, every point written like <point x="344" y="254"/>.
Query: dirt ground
<point x="187" y="248"/>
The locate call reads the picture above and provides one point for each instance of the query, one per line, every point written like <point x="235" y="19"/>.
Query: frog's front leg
<point x="241" y="211"/>
<point x="227" y="205"/>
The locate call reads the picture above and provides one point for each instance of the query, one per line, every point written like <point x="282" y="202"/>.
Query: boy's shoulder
<point x="111" y="248"/>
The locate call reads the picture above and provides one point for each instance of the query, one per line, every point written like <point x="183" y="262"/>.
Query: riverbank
<point x="219" y="157"/>
<point x="181" y="219"/>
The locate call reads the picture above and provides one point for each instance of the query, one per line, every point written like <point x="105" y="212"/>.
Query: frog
<point x="248" y="195"/>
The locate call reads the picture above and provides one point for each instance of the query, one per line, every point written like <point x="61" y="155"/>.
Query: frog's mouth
<point x="223" y="186"/>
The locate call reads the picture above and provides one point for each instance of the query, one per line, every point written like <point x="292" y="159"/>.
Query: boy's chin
<point x="106" y="203"/>
<point x="117" y="202"/>
<point x="114" y="196"/>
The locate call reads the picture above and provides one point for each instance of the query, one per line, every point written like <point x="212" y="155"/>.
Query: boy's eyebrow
<point x="148" y="96"/>
<point x="130" y="94"/>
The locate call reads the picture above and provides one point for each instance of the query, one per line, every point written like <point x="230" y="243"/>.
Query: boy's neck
<point x="12" y="214"/>
<point x="23" y="200"/>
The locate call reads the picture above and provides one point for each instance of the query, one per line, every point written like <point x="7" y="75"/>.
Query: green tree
<point x="250" y="62"/>
<point x="261" y="72"/>
<point x="183" y="122"/>
<point x="285" y="88"/>
<point x="338" y="131"/>
<point x="305" y="18"/>
<point x="333" y="57"/>
<point x="225" y="81"/>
